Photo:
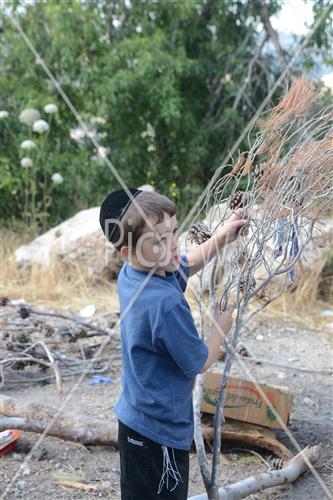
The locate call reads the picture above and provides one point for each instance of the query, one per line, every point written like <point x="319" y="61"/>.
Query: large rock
<point x="78" y="239"/>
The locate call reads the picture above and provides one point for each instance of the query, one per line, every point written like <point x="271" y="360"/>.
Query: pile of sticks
<point x="40" y="346"/>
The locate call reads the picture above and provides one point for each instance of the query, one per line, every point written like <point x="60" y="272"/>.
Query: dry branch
<point x="69" y="426"/>
<point x="287" y="173"/>
<point x="289" y="473"/>
<point x="94" y="431"/>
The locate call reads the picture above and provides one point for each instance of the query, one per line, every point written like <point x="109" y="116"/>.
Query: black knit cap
<point x="114" y="206"/>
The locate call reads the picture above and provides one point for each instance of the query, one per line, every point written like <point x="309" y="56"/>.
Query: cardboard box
<point x="243" y="401"/>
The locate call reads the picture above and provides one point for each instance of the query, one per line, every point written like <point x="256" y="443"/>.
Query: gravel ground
<point x="311" y="422"/>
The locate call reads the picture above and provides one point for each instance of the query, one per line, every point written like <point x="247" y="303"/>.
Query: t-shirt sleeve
<point x="182" y="274"/>
<point x="179" y="337"/>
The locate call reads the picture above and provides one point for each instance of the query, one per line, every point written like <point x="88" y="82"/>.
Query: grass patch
<point x="60" y="286"/>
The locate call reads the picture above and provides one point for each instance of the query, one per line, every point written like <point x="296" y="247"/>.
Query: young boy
<point x="161" y="349"/>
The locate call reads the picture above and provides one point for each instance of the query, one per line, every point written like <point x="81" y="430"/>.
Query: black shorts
<point x="149" y="471"/>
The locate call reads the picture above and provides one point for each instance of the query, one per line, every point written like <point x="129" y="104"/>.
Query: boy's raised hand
<point x="234" y="224"/>
<point x="224" y="319"/>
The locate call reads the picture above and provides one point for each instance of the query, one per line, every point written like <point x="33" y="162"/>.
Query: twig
<point x="104" y="331"/>
<point x="261" y="361"/>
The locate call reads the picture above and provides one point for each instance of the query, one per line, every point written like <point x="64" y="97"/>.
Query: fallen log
<point x="289" y="473"/>
<point x="95" y="431"/>
<point x="68" y="426"/>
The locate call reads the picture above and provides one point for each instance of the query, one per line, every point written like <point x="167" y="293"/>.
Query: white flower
<point x="51" y="109"/>
<point x="151" y="147"/>
<point x="78" y="134"/>
<point x="26" y="162"/>
<point x="212" y="28"/>
<point x="100" y="156"/>
<point x="328" y="81"/>
<point x="28" y="145"/>
<point x="3" y="114"/>
<point x="103" y="152"/>
<point x="227" y="78"/>
<point x="97" y="120"/>
<point x="116" y="22"/>
<point x="150" y="130"/>
<point x="29" y="116"/>
<point x="40" y="126"/>
<point x="138" y="29"/>
<point x="57" y="178"/>
<point x="131" y="63"/>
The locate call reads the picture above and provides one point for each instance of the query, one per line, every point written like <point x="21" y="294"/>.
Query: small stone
<point x="310" y="402"/>
<point x="327" y="313"/>
<point x="40" y="453"/>
<point x="260" y="337"/>
<point x="26" y="470"/>
<point x="21" y="485"/>
<point x="106" y="485"/>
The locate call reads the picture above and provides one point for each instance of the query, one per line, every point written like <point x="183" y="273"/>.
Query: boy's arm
<point x="202" y="254"/>
<point x="221" y="325"/>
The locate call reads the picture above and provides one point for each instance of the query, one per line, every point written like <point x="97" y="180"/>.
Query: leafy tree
<point x="170" y="84"/>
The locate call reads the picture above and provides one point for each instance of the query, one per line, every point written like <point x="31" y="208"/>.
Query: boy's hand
<point x="232" y="227"/>
<point x="224" y="319"/>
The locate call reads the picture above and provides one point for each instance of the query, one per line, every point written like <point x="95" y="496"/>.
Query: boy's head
<point x="145" y="231"/>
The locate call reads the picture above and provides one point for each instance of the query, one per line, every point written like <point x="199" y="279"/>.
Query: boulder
<point x="78" y="239"/>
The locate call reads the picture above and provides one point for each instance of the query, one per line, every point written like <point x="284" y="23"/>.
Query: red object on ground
<point x="8" y="448"/>
<point x="8" y="440"/>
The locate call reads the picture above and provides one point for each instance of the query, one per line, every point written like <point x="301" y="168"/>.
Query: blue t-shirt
<point x="162" y="353"/>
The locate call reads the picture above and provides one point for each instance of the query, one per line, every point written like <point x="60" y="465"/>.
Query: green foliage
<point x="161" y="76"/>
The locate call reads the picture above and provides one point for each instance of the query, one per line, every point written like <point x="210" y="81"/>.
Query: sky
<point x="293" y="17"/>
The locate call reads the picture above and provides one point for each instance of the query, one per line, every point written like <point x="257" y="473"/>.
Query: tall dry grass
<point x="64" y="287"/>
<point x="303" y="304"/>
<point x="61" y="286"/>
<point x="300" y="305"/>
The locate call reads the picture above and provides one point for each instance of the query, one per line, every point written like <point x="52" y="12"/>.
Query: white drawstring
<point x="168" y="469"/>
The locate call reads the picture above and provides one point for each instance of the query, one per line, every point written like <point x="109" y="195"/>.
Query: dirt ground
<point x="311" y="422"/>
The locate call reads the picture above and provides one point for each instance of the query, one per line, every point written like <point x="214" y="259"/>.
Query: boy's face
<point x="158" y="247"/>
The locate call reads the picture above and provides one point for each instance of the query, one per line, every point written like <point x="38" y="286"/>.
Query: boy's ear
<point x="124" y="252"/>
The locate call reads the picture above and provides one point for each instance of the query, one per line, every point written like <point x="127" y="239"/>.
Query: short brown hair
<point x="151" y="204"/>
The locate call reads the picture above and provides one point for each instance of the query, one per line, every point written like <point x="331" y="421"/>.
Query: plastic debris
<point x="8" y="439"/>
<point x="100" y="379"/>
<point x="88" y="311"/>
